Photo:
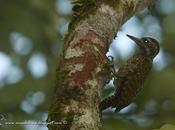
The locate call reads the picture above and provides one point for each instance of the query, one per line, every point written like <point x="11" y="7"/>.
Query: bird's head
<point x="148" y="46"/>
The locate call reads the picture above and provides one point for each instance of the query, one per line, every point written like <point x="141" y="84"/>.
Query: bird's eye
<point x="146" y="41"/>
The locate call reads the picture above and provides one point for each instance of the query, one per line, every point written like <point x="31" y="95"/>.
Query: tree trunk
<point x="82" y="70"/>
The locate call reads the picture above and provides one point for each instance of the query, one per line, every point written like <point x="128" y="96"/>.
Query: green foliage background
<point x="43" y="23"/>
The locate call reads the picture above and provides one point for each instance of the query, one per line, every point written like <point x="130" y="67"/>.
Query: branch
<point x="81" y="73"/>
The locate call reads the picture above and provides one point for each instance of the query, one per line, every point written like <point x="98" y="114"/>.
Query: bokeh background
<point x="31" y="39"/>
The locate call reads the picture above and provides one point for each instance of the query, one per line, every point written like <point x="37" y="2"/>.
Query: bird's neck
<point x="144" y="55"/>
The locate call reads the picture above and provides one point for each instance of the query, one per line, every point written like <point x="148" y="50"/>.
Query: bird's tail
<point x="107" y="102"/>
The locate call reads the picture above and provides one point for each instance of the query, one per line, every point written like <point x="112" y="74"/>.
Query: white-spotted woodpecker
<point x="130" y="78"/>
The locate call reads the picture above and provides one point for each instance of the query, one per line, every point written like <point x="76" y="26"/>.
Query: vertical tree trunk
<point x="81" y="73"/>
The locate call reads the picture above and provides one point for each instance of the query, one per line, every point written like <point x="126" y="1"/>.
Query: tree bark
<point x="82" y="70"/>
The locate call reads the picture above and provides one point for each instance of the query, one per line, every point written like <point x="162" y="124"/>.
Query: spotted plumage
<point x="130" y="78"/>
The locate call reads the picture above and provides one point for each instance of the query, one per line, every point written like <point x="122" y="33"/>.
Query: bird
<point x="129" y="79"/>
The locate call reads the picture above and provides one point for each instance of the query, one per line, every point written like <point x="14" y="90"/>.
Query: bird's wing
<point x="128" y="69"/>
<point x="124" y="74"/>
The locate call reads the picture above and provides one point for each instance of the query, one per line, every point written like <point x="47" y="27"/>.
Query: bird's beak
<point x="136" y="40"/>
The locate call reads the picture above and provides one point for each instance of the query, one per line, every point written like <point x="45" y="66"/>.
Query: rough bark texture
<point x="81" y="73"/>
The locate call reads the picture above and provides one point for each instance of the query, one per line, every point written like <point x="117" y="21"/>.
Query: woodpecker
<point x="129" y="79"/>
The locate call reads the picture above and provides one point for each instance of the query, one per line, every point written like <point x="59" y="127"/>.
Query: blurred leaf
<point x="167" y="127"/>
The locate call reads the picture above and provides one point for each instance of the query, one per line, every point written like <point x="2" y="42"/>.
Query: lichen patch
<point x="73" y="52"/>
<point x="93" y="83"/>
<point x="72" y="107"/>
<point x="81" y="32"/>
<point x="98" y="69"/>
<point x="107" y="9"/>
<point x="87" y="117"/>
<point x="75" y="68"/>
